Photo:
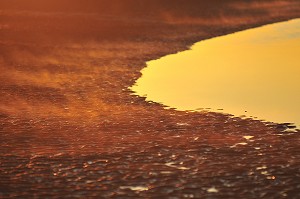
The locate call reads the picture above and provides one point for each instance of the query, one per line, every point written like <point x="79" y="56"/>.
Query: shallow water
<point x="253" y="73"/>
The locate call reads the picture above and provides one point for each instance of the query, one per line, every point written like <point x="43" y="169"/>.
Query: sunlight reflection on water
<point x="253" y="73"/>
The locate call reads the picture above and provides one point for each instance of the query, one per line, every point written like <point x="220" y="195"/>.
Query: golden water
<point x="255" y="73"/>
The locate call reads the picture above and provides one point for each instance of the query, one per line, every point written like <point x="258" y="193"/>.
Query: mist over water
<point x="253" y="73"/>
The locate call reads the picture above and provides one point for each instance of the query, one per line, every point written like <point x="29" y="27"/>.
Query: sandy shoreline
<point x="65" y="73"/>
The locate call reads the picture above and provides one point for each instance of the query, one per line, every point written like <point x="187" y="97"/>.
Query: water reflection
<point x="253" y="73"/>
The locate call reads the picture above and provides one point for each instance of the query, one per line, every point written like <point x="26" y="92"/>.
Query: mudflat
<point x="70" y="127"/>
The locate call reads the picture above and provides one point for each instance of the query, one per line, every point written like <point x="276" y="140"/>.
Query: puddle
<point x="172" y="164"/>
<point x="253" y="73"/>
<point x="212" y="190"/>
<point x="240" y="143"/>
<point x="135" y="188"/>
<point x="248" y="137"/>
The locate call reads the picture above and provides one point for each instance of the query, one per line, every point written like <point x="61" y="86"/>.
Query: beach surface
<point x="70" y="127"/>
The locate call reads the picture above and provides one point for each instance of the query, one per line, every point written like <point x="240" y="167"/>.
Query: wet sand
<point x="70" y="127"/>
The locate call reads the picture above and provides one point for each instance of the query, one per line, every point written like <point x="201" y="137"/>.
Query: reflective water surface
<point x="70" y="129"/>
<point x="253" y="73"/>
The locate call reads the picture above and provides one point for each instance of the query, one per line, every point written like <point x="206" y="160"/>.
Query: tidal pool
<point x="253" y="73"/>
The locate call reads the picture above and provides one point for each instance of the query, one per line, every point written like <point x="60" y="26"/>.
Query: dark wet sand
<point x="69" y="126"/>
